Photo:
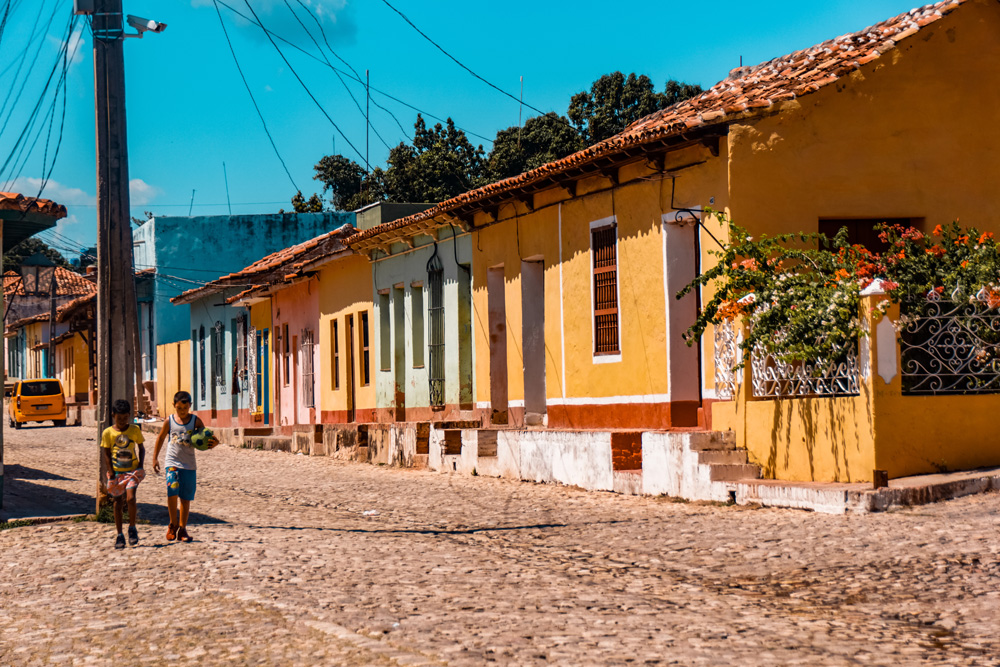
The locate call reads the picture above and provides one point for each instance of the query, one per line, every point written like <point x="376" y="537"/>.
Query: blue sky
<point x="188" y="111"/>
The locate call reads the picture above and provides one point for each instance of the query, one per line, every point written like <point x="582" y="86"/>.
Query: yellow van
<point x="37" y="401"/>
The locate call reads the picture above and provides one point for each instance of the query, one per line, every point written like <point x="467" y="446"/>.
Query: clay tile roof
<point x="12" y="201"/>
<point x="746" y="92"/>
<point x="68" y="283"/>
<point x="67" y="310"/>
<point x="275" y="266"/>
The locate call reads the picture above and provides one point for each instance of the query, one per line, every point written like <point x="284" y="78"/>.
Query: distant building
<point x="186" y="252"/>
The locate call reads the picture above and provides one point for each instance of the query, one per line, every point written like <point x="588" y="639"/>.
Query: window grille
<point x="242" y="372"/>
<point x="385" y="342"/>
<point x="308" y="385"/>
<point x="203" y="391"/>
<point x="286" y="354"/>
<point x="603" y="246"/>
<point x="365" y="365"/>
<point x="435" y="313"/>
<point x="335" y="343"/>
<point x="253" y="368"/>
<point x="417" y="318"/>
<point x="219" y="355"/>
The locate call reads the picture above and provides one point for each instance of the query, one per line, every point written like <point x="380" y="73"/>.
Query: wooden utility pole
<point x="117" y="328"/>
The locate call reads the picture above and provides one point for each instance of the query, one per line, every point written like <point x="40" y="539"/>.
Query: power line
<point x="348" y="75"/>
<point x="303" y="84"/>
<point x="357" y="76"/>
<point x="252" y="99"/>
<point x="339" y="77"/>
<point x="459" y="62"/>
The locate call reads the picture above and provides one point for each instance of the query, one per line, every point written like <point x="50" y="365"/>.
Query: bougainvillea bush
<point x="801" y="292"/>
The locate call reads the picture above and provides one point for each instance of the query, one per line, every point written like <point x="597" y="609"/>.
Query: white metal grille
<point x="726" y="358"/>
<point x="775" y="378"/>
<point x="308" y="376"/>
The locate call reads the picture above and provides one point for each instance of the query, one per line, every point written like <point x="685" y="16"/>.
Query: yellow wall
<point x="345" y="287"/>
<point x="75" y="377"/>
<point x="173" y="373"/>
<point x="638" y="204"/>
<point x="903" y="137"/>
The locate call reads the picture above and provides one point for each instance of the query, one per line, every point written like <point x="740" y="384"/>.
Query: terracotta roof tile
<point x="747" y="91"/>
<point x="68" y="283"/>
<point x="12" y="201"/>
<point x="274" y="266"/>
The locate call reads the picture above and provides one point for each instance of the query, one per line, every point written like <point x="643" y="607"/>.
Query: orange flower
<point x="937" y="251"/>
<point x="986" y="236"/>
<point x="938" y="230"/>
<point x="963" y="238"/>
<point x="902" y="254"/>
<point x="841" y="274"/>
<point x="965" y="263"/>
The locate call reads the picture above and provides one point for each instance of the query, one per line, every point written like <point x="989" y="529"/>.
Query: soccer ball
<point x="200" y="438"/>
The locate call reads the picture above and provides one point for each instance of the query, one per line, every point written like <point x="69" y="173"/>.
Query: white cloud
<point x="141" y="192"/>
<point x="54" y="190"/>
<point x="336" y="16"/>
<point x="74" y="45"/>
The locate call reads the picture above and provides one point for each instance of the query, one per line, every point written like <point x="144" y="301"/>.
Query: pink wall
<point x="298" y="307"/>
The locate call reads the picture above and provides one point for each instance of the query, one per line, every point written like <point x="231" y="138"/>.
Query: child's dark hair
<point x="121" y="407"/>
<point x="182" y="396"/>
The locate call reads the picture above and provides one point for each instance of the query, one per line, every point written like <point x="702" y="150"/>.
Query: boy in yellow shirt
<point x="124" y="452"/>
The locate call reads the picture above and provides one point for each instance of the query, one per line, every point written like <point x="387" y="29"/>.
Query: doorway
<point x="533" y="339"/>
<point x="497" y="305"/>
<point x="349" y="367"/>
<point x="399" y="351"/>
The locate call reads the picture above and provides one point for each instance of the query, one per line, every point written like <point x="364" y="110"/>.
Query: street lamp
<point x="36" y="271"/>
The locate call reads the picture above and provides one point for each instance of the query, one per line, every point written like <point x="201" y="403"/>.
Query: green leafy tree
<point x="543" y="139"/>
<point x="12" y="258"/>
<point x="301" y="205"/>
<point x="615" y="101"/>
<point x="442" y="163"/>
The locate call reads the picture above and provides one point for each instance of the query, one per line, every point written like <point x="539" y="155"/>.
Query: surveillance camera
<point x="144" y="25"/>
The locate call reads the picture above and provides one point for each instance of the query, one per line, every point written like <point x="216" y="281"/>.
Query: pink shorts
<point x="125" y="480"/>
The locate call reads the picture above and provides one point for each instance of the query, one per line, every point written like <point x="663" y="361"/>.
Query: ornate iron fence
<point x="950" y="346"/>
<point x="774" y="378"/>
<point x="726" y="351"/>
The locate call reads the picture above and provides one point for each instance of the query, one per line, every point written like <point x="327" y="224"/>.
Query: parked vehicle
<point x="37" y="401"/>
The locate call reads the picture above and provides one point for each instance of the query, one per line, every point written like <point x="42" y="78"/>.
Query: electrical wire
<point x="339" y="77"/>
<point x="306" y="88"/>
<point x="348" y="75"/>
<point x="357" y="76"/>
<point x="460" y="63"/>
<point x="252" y="99"/>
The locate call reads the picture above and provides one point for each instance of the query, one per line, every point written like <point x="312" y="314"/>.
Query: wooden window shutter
<point x="605" y="254"/>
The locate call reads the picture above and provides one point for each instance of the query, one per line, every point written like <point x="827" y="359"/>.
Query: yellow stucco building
<point x="576" y="264"/>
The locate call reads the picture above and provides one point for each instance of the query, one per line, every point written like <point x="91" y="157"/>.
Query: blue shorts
<point x="181" y="482"/>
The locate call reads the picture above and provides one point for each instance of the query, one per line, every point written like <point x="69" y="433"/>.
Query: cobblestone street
<point x="303" y="561"/>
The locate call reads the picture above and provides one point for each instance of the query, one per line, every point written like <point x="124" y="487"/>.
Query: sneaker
<point x="171" y="533"/>
<point x="133" y="536"/>
<point x="182" y="535"/>
<point x="120" y="541"/>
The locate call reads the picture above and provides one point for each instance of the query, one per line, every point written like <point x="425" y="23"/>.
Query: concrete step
<point x="722" y="456"/>
<point x="714" y="440"/>
<point x="274" y="443"/>
<point x="732" y="472"/>
<point x="421" y="460"/>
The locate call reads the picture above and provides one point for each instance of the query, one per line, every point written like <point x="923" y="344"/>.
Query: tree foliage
<point x="301" y="205"/>
<point x="615" y="101"/>
<point x="543" y="139"/>
<point x="442" y="163"/>
<point x="12" y="258"/>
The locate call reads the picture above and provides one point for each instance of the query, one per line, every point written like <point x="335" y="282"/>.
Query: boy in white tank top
<point x="181" y="464"/>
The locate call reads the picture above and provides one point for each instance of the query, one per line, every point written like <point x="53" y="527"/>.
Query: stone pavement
<point x="291" y="567"/>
